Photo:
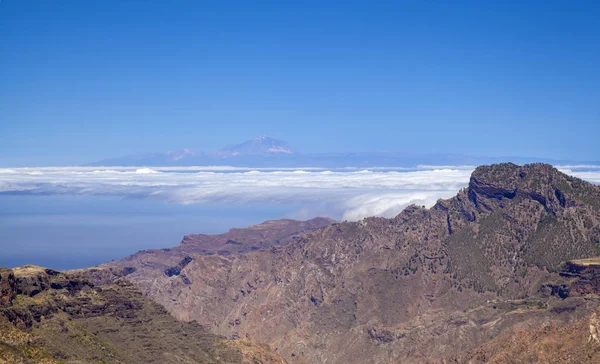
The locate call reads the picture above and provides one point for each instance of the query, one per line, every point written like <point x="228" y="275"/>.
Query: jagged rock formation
<point x="93" y="316"/>
<point x="429" y="284"/>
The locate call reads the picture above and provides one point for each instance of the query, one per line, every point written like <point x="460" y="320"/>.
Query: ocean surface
<point x="67" y="232"/>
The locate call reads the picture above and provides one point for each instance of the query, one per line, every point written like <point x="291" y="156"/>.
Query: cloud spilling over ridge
<point x="344" y="194"/>
<point x="590" y="174"/>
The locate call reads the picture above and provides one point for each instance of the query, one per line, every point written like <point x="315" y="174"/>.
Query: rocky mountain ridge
<point x="418" y="287"/>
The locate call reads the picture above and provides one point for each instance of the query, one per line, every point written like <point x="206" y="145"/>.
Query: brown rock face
<point x="427" y="285"/>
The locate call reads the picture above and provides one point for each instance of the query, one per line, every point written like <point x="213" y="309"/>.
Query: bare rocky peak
<point x="541" y="182"/>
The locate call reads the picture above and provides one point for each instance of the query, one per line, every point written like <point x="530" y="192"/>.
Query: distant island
<point x="264" y="151"/>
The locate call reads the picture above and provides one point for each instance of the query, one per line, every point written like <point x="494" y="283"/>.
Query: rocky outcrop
<point x="175" y="271"/>
<point x="7" y="286"/>
<point x="578" y="278"/>
<point x="538" y="182"/>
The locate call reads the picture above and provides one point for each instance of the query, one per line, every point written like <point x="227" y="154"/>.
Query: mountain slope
<point x="415" y="287"/>
<point x="92" y="316"/>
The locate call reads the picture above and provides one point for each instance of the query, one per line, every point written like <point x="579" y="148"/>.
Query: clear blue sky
<point x="84" y="80"/>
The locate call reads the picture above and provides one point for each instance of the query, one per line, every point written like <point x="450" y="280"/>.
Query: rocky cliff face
<point x="429" y="284"/>
<point x="93" y="316"/>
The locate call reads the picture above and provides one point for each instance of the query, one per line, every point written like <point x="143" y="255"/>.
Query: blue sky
<point x="84" y="80"/>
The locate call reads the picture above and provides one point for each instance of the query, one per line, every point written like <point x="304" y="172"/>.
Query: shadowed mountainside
<point x="427" y="285"/>
<point x="93" y="316"/>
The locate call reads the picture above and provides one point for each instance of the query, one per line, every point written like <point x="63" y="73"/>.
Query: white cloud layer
<point x="345" y="194"/>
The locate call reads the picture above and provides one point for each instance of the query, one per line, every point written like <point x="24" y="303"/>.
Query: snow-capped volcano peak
<point x="262" y="145"/>
<point x="178" y="154"/>
<point x="279" y="149"/>
<point x="255" y="149"/>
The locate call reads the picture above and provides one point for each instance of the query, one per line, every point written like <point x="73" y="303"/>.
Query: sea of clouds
<point x="344" y="194"/>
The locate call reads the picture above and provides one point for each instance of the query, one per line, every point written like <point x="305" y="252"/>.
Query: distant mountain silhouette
<point x="264" y="151"/>
<point x="262" y="145"/>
